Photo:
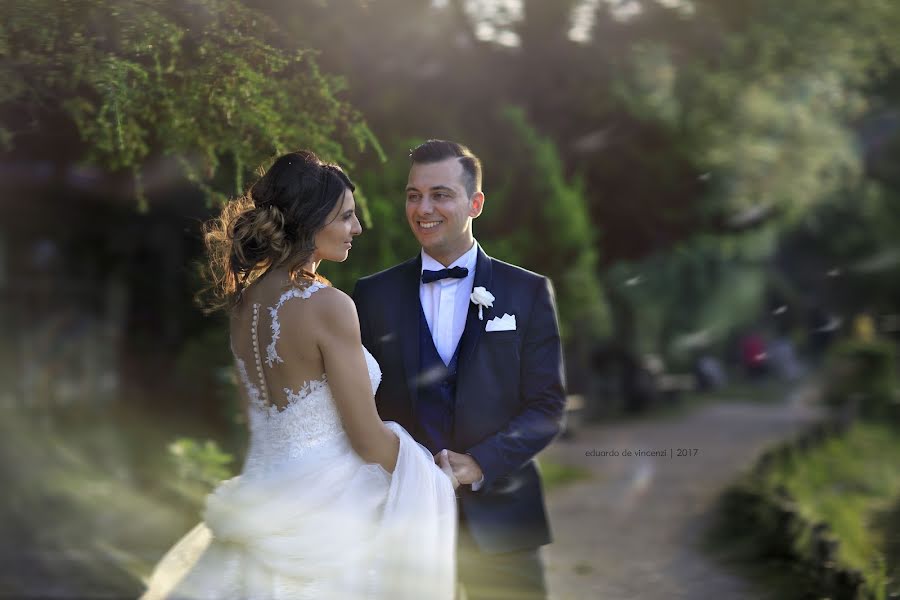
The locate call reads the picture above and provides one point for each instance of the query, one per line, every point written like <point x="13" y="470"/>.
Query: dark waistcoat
<point x="437" y="392"/>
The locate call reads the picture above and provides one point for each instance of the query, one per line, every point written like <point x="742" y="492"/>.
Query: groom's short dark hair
<point x="434" y="151"/>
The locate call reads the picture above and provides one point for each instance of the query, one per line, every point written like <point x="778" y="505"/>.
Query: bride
<point x="331" y="501"/>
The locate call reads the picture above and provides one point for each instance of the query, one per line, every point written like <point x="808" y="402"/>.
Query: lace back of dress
<point x="270" y="368"/>
<point x="291" y="409"/>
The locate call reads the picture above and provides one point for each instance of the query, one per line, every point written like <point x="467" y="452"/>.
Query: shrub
<point x="198" y="462"/>
<point x="862" y="376"/>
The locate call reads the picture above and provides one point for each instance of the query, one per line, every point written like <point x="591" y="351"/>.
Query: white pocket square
<point x="505" y="323"/>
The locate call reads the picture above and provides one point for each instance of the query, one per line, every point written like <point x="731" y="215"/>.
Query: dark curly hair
<point x="273" y="225"/>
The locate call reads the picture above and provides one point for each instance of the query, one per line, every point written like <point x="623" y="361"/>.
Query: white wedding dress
<point x="307" y="518"/>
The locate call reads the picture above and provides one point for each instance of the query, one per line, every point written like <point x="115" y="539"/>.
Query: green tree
<point x="196" y="81"/>
<point x="554" y="234"/>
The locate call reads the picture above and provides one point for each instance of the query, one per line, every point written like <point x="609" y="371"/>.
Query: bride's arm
<point x="338" y="338"/>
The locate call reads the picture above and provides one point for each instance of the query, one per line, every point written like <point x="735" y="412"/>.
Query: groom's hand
<point x="464" y="466"/>
<point x="444" y="463"/>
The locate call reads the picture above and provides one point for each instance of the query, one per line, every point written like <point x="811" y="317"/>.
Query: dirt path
<point x="633" y="530"/>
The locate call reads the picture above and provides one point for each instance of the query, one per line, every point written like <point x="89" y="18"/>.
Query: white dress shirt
<point x="446" y="302"/>
<point x="446" y="306"/>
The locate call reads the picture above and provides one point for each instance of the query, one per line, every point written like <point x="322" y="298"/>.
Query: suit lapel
<point x="408" y="307"/>
<point x="474" y="327"/>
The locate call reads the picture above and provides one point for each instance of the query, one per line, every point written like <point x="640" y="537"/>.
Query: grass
<point x="770" y="389"/>
<point x="847" y="483"/>
<point x="851" y="483"/>
<point x="556" y="475"/>
<point x="888" y="522"/>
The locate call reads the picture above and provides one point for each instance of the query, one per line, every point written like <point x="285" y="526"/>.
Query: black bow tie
<point x="454" y="273"/>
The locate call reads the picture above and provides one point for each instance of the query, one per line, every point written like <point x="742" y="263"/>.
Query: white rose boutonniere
<point x="482" y="298"/>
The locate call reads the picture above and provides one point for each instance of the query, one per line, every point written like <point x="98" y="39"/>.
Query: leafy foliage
<point x="694" y="296"/>
<point x="567" y="251"/>
<point x="191" y="79"/>
<point x="815" y="507"/>
<point x="864" y="374"/>
<point x="203" y="463"/>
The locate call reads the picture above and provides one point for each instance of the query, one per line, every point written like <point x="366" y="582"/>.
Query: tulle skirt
<point x="324" y="526"/>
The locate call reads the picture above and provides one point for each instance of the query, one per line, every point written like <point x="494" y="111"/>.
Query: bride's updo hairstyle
<point x="273" y="225"/>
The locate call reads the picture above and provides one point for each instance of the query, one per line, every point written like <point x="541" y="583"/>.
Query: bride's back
<point x="278" y="364"/>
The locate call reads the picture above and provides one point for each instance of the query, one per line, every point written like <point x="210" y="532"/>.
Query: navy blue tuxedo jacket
<point x="510" y="392"/>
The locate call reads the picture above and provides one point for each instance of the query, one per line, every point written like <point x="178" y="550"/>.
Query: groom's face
<point x="439" y="209"/>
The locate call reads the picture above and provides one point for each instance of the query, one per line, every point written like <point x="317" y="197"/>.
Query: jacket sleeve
<point x="543" y="396"/>
<point x="360" y="299"/>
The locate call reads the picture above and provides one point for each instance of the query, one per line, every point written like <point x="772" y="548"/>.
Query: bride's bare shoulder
<point x="331" y="305"/>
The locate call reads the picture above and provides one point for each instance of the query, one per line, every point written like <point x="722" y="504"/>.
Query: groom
<point x="477" y="375"/>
